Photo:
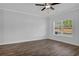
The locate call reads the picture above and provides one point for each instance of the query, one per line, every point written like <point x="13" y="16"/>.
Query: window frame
<point x="54" y="30"/>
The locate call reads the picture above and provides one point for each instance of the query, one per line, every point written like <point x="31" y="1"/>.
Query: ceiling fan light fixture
<point x="47" y="7"/>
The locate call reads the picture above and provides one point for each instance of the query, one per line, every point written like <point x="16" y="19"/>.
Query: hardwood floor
<point x="45" y="47"/>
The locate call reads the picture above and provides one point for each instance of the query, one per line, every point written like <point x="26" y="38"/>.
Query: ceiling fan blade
<point x="54" y="3"/>
<point x="52" y="8"/>
<point x="43" y="8"/>
<point x="39" y="4"/>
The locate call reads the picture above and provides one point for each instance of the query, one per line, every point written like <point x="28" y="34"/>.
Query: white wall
<point x="21" y="24"/>
<point x="1" y="26"/>
<point x="19" y="27"/>
<point x="68" y="14"/>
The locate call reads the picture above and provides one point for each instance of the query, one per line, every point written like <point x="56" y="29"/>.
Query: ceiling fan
<point x="47" y="5"/>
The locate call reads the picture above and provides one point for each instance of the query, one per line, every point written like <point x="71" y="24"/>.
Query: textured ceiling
<point x="30" y="8"/>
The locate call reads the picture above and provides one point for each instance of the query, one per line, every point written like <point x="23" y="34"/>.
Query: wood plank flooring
<point x="44" y="47"/>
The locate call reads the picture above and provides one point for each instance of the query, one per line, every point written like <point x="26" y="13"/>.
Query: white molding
<point x="68" y="42"/>
<point x="34" y="39"/>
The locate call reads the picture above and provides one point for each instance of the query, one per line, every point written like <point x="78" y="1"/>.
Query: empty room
<point x="39" y="29"/>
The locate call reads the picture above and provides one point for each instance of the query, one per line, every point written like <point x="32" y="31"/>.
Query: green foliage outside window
<point x="67" y="23"/>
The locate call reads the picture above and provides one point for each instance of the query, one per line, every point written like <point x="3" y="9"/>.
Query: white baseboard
<point x="72" y="43"/>
<point x="40" y="38"/>
<point x="34" y="39"/>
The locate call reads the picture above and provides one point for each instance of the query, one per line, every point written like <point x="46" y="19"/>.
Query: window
<point x="63" y="27"/>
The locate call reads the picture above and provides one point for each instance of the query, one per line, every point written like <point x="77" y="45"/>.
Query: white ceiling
<point x="30" y="8"/>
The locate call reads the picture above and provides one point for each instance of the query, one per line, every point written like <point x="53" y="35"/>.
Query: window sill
<point x="63" y="35"/>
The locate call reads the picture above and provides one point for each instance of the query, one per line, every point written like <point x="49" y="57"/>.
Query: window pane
<point x="67" y="27"/>
<point x="58" y="27"/>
